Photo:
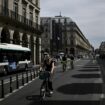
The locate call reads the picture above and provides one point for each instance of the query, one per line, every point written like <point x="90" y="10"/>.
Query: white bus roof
<point x="6" y="46"/>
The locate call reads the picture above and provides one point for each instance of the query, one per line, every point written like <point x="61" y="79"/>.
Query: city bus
<point x="14" y="58"/>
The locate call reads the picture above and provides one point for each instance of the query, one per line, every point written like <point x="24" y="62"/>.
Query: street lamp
<point x="58" y="38"/>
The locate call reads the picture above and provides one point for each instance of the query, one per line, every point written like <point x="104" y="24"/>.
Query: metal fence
<point x="7" y="13"/>
<point x="10" y="83"/>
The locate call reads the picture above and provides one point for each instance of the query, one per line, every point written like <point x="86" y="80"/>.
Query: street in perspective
<point x="52" y="52"/>
<point x="82" y="85"/>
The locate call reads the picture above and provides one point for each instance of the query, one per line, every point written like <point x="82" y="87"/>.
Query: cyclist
<point x="48" y="65"/>
<point x="72" y="61"/>
<point x="64" y="62"/>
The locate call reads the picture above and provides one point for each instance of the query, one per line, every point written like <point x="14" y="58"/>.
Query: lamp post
<point x="58" y="38"/>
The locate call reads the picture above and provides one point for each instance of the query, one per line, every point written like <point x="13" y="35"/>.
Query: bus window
<point x="5" y="59"/>
<point x="1" y="57"/>
<point x="16" y="55"/>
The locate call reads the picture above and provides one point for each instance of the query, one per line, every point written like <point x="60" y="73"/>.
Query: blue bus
<point x="14" y="58"/>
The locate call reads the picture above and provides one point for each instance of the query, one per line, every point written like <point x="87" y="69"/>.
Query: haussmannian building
<point x="20" y="24"/>
<point x="61" y="34"/>
<point x="47" y="34"/>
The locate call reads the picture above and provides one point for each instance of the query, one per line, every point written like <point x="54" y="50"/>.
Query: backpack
<point x="64" y="58"/>
<point x="72" y="58"/>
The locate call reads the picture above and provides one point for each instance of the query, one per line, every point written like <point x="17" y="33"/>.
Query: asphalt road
<point x="101" y="62"/>
<point x="81" y="86"/>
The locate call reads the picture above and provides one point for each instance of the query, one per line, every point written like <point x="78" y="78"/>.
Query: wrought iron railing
<point x="13" y="16"/>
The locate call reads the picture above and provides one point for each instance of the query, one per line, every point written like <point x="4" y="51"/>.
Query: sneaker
<point x="42" y="89"/>
<point x="51" y="92"/>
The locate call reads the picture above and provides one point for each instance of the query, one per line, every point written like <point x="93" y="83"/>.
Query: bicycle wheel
<point x="72" y="65"/>
<point x="64" y="67"/>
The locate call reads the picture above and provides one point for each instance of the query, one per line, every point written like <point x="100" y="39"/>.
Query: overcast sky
<point x="89" y="15"/>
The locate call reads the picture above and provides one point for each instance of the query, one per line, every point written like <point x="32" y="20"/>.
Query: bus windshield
<point x="11" y="52"/>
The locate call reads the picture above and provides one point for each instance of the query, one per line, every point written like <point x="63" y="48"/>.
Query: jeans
<point x="49" y="81"/>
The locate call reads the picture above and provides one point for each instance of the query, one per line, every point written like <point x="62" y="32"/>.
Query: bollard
<point x="23" y="78"/>
<point x="2" y="88"/>
<point x="17" y="82"/>
<point x="10" y="84"/>
<point x="34" y="72"/>
<point x="27" y="76"/>
<point x="38" y="71"/>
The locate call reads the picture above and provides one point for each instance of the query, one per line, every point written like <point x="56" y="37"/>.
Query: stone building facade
<point x="20" y="24"/>
<point x="46" y="35"/>
<point x="64" y="36"/>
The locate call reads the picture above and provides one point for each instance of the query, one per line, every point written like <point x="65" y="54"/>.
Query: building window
<point x="24" y="13"/>
<point x="31" y="18"/>
<point x="37" y="19"/>
<point x="16" y="0"/>
<point x="46" y="35"/>
<point x="36" y="16"/>
<point x="15" y="10"/>
<point x="16" y="7"/>
<point x="36" y="2"/>
<point x="30" y="0"/>
<point x="5" y="3"/>
<point x="5" y="7"/>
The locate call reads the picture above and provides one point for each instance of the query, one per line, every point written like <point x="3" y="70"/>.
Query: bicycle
<point x="44" y="90"/>
<point x="64" y="64"/>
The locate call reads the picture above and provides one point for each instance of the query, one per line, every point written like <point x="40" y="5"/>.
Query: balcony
<point x="12" y="18"/>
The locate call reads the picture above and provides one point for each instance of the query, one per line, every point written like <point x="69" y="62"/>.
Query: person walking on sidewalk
<point x="72" y="61"/>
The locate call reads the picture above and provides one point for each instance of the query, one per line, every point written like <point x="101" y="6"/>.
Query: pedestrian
<point x="94" y="58"/>
<point x="72" y="61"/>
<point x="64" y="62"/>
<point x="48" y="65"/>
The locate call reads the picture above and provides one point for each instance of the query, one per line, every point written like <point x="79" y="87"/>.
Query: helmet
<point x="46" y="53"/>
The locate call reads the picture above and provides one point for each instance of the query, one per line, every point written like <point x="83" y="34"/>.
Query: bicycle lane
<point x="29" y="95"/>
<point x="23" y="95"/>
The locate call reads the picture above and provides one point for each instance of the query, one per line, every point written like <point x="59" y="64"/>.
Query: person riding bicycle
<point x="64" y="62"/>
<point x="48" y="65"/>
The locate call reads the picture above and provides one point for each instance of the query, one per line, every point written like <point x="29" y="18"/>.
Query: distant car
<point x="80" y="56"/>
